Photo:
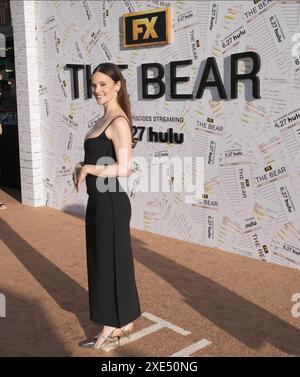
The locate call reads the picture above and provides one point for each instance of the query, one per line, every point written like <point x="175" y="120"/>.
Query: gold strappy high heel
<point x="109" y="339"/>
<point x="126" y="330"/>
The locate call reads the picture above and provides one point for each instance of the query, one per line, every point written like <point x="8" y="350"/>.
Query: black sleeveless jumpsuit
<point x="113" y="295"/>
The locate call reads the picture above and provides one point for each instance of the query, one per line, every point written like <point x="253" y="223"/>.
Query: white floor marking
<point x="167" y="324"/>
<point x="158" y="325"/>
<point x="187" y="351"/>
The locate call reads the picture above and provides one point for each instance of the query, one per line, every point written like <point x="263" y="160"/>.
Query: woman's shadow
<point x="244" y="320"/>
<point x="68" y="294"/>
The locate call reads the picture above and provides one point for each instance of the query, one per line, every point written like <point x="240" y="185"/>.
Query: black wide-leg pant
<point x="113" y="295"/>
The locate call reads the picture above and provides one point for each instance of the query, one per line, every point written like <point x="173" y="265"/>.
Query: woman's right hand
<point x="76" y="172"/>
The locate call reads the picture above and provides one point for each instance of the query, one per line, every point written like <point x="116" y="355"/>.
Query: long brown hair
<point x="114" y="72"/>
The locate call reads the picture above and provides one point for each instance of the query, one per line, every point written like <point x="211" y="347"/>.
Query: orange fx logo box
<point x="147" y="28"/>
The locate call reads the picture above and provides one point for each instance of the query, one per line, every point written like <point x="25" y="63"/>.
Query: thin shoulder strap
<point x="114" y="119"/>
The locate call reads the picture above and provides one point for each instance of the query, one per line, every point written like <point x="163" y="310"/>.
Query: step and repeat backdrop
<point x="248" y="139"/>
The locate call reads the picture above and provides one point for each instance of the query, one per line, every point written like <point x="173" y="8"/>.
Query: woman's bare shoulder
<point x="118" y="125"/>
<point x="120" y="115"/>
<point x="119" y="121"/>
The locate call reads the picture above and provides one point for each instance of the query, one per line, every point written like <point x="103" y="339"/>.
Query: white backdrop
<point x="251" y="157"/>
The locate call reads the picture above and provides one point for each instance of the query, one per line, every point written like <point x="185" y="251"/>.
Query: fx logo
<point x="147" y="28"/>
<point x="2" y="305"/>
<point x="150" y="32"/>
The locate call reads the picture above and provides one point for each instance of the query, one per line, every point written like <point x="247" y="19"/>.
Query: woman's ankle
<point x="108" y="328"/>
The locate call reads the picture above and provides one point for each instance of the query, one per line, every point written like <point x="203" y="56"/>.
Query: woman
<point x="113" y="296"/>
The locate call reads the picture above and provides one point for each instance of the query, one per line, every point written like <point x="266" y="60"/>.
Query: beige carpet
<point x="241" y="305"/>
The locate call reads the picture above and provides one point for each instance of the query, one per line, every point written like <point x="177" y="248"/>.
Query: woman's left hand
<point x="82" y="173"/>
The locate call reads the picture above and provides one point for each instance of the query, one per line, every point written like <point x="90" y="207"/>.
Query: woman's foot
<point x="108" y="334"/>
<point x="127" y="328"/>
<point x="119" y="332"/>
